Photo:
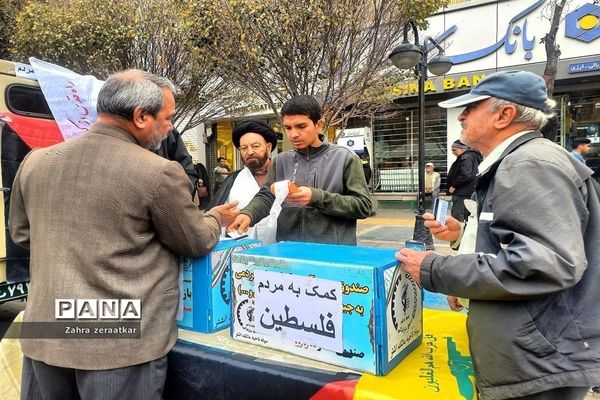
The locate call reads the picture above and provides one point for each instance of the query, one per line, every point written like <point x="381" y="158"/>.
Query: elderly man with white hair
<point x="532" y="276"/>
<point x="432" y="181"/>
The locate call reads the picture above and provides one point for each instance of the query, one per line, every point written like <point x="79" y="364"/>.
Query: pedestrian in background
<point x="461" y="177"/>
<point x="432" y="181"/>
<point x="580" y="146"/>
<point x="202" y="197"/>
<point x="532" y="277"/>
<point x="107" y="219"/>
<point x="221" y="171"/>
<point x="365" y="160"/>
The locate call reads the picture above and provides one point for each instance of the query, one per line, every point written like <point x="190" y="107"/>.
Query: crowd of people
<point x="528" y="259"/>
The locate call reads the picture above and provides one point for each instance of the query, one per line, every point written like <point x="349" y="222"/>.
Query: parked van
<point x="25" y="123"/>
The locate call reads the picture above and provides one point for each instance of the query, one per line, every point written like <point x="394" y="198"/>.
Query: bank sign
<point x="505" y="34"/>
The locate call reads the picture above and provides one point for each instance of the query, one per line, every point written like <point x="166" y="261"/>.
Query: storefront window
<point x="225" y="144"/>
<point x="396" y="148"/>
<point x="584" y="118"/>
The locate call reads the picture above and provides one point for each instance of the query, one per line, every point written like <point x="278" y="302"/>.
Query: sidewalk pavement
<point x="391" y="227"/>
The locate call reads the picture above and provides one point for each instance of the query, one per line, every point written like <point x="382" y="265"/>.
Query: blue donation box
<point x="205" y="287"/>
<point x="344" y="305"/>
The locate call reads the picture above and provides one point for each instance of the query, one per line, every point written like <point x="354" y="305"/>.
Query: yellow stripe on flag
<point x="440" y="368"/>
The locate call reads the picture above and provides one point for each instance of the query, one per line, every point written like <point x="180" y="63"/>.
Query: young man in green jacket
<point x="332" y="193"/>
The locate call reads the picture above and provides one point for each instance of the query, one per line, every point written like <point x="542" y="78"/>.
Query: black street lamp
<point x="409" y="55"/>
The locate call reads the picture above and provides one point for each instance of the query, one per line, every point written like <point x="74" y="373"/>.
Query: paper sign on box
<point x="286" y="296"/>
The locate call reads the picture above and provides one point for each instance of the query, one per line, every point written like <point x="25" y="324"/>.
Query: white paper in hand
<point x="440" y="209"/>
<point x="281" y="192"/>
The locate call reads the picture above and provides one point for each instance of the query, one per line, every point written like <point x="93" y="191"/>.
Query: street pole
<point x="421" y="233"/>
<point x="409" y="55"/>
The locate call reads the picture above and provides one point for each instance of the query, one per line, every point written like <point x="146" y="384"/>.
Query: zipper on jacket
<point x="303" y="210"/>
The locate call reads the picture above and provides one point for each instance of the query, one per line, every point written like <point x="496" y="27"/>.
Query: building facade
<point x="482" y="37"/>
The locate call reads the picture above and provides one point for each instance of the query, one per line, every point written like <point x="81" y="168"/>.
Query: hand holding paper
<point x="440" y="209"/>
<point x="449" y="232"/>
<point x="301" y="197"/>
<point x="292" y="188"/>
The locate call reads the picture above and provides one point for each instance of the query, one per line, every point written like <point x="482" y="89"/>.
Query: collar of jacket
<point x="466" y="153"/>
<point x="483" y="181"/>
<point x="489" y="174"/>
<point x="315" y="151"/>
<point x="523" y="139"/>
<point x="113" y="131"/>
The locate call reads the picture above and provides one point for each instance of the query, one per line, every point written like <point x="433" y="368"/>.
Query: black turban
<point x="254" y="126"/>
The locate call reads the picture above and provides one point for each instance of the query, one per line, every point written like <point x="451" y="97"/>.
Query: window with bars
<point x="396" y="148"/>
<point x="583" y="110"/>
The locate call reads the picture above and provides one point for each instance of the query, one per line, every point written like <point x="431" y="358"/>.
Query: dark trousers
<point x="458" y="207"/>
<point x="564" y="393"/>
<point x="139" y="382"/>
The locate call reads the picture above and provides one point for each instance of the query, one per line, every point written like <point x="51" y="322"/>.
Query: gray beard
<point x="155" y="140"/>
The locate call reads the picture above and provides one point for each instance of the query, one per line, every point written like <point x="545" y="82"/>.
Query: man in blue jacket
<point x="580" y="146"/>
<point x="533" y="275"/>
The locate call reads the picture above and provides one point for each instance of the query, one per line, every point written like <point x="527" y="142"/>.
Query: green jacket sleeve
<point x="354" y="202"/>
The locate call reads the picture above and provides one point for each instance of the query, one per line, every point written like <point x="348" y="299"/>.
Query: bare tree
<point x="164" y="47"/>
<point x="555" y="10"/>
<point x="101" y="38"/>
<point x="332" y="49"/>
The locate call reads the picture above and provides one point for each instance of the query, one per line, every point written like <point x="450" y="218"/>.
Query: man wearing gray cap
<point x="533" y="271"/>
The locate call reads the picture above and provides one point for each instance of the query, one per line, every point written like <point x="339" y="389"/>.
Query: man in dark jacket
<point x="532" y="276"/>
<point x="173" y="148"/>
<point x="461" y="177"/>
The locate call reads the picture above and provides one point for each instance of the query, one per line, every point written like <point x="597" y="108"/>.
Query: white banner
<point x="70" y="96"/>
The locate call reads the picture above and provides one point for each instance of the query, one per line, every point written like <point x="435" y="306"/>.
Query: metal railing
<point x="396" y="180"/>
